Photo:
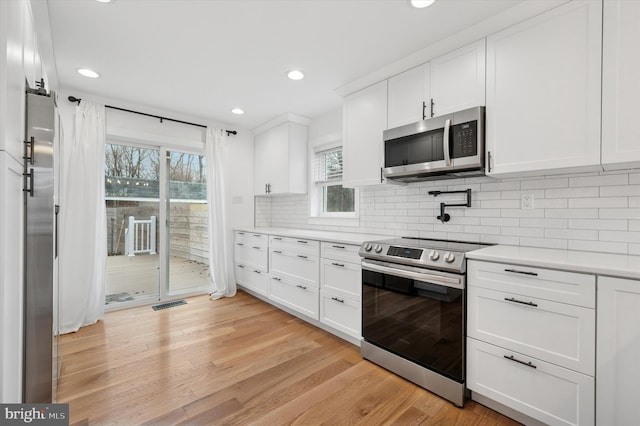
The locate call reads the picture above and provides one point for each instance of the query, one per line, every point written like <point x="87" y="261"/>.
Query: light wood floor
<point x="236" y="361"/>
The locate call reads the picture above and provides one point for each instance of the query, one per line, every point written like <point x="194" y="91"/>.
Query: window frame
<point x="317" y="193"/>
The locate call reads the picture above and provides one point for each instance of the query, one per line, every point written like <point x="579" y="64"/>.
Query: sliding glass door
<point x="187" y="228"/>
<point x="157" y="233"/>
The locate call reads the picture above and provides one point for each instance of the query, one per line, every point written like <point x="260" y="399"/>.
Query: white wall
<point x="589" y="211"/>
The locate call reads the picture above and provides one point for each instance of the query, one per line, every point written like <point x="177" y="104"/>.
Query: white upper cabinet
<point x="543" y="92"/>
<point x="458" y="80"/>
<point x="620" y="84"/>
<point x="280" y="158"/>
<point x="365" y="118"/>
<point x="409" y="96"/>
<point x="449" y="83"/>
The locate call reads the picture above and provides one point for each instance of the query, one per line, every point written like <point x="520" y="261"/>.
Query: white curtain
<point x="83" y="233"/>
<point x="222" y="282"/>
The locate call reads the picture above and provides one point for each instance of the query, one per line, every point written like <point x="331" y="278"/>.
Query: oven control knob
<point x="378" y="248"/>
<point x="449" y="257"/>
<point x="367" y="247"/>
<point x="434" y="255"/>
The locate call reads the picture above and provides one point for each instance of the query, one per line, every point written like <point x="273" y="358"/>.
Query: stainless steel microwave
<point x="447" y="146"/>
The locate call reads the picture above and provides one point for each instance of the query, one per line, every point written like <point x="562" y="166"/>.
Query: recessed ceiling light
<point x="419" y="4"/>
<point x="295" y="75"/>
<point x="88" y="73"/>
<point x="238" y="111"/>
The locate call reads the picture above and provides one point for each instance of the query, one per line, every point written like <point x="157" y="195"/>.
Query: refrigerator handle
<point x="29" y="176"/>
<point x="55" y="247"/>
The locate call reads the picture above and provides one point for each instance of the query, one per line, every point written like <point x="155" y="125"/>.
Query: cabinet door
<point x="12" y="17"/>
<point x="618" y="352"/>
<point x="252" y="278"/>
<point x="279" y="159"/>
<point x="295" y="295"/>
<point x="543" y="92"/>
<point x="261" y="163"/>
<point x="458" y="79"/>
<point x="365" y="118"/>
<point x="409" y="96"/>
<point x="620" y="84"/>
<point x="544" y="391"/>
<point x="341" y="313"/>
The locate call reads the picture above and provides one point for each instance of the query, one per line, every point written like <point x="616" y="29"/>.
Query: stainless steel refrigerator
<point x="39" y="245"/>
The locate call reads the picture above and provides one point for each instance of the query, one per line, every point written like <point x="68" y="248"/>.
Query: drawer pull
<point x="302" y="256"/>
<point x="277" y="251"/>
<point x="276" y="278"/>
<point x="337" y="299"/>
<point x="515" y="271"/>
<point x="240" y="244"/>
<point x="338" y="264"/>
<point x="240" y="233"/>
<point x="256" y="271"/>
<point x="256" y="247"/>
<point x="277" y="238"/>
<point x="338" y="247"/>
<point x="511" y="299"/>
<point x="257" y="235"/>
<point x="512" y="358"/>
<point x="303" y="241"/>
<point x="241" y="266"/>
<point x="301" y="286"/>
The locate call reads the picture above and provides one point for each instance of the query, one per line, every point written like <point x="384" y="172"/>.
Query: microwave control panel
<point x="464" y="139"/>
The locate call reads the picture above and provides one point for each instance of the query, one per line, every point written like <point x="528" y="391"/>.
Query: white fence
<point x="140" y="236"/>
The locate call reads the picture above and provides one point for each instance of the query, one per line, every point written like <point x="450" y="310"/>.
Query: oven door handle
<point x="418" y="276"/>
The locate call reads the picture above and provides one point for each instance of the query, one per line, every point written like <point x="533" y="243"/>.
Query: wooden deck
<point x="129" y="278"/>
<point x="236" y="361"/>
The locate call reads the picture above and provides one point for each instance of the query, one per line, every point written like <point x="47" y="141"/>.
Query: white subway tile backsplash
<point x="600" y="180"/>
<point x="605" y="224"/>
<point x="588" y="211"/>
<point x="545" y="183"/>
<point x="582" y="203"/>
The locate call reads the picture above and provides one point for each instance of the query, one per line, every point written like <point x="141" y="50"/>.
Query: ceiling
<point x="201" y="58"/>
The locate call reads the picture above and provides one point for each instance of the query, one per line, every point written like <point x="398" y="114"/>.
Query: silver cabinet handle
<point x="240" y="244"/>
<point x="256" y="247"/>
<point x="240" y="233"/>
<point x="256" y="271"/>
<point x="445" y="142"/>
<point x="277" y="251"/>
<point x="338" y="264"/>
<point x="337" y="299"/>
<point x="433" y="103"/>
<point x="303" y="241"/>
<point x="514" y="300"/>
<point x="257" y="235"/>
<point x="301" y="286"/>
<point x="339" y="247"/>
<point x="276" y="278"/>
<point x="241" y="266"/>
<point x="301" y="256"/>
<point x="277" y="238"/>
<point x="515" y="271"/>
<point x="514" y="359"/>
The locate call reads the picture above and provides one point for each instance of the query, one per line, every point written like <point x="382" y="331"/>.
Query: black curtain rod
<point x="229" y="132"/>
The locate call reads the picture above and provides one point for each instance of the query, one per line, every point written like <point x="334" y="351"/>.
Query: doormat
<point x="169" y="305"/>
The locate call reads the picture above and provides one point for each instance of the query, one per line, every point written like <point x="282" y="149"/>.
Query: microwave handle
<point x="445" y="143"/>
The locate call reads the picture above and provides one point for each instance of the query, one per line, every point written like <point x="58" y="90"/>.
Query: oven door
<point x="415" y="313"/>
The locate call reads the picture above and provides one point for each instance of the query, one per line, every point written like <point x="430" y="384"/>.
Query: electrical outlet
<point x="527" y="202"/>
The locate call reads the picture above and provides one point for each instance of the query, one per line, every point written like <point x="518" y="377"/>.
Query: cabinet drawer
<point x="558" y="286"/>
<point x="301" y="267"/>
<point x="301" y="245"/>
<point x="342" y="278"/>
<point x="555" y="332"/>
<point x="551" y="394"/>
<point x="252" y="254"/>
<point x="251" y="239"/>
<point x="252" y="278"/>
<point x="300" y="297"/>
<point x="340" y="313"/>
<point x="342" y="252"/>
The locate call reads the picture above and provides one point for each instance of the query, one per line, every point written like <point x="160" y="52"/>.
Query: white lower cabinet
<point x="252" y="278"/>
<point x="541" y="390"/>
<point x="341" y="313"/>
<point x="531" y="341"/>
<point x="300" y="297"/>
<point x="618" y="368"/>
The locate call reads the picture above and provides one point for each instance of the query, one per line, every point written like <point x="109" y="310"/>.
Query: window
<point x="331" y="198"/>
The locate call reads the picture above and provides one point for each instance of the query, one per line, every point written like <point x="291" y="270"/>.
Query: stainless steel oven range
<point x="413" y="311"/>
